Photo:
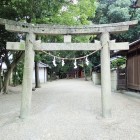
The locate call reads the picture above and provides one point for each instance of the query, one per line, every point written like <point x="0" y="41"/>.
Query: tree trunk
<point x="9" y="71"/>
<point x="6" y="80"/>
<point x="14" y="75"/>
<point x="85" y="74"/>
<point x="84" y="71"/>
<point x="0" y="78"/>
<point x="37" y="81"/>
<point x="91" y="73"/>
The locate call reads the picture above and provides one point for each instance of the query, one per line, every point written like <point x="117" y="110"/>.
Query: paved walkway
<point x="70" y="110"/>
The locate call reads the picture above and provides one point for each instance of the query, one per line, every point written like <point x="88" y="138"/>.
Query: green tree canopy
<point x="44" y="11"/>
<point x="113" y="11"/>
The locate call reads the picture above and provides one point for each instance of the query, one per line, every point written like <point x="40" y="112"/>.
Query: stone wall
<point x="96" y="78"/>
<point x="114" y="80"/>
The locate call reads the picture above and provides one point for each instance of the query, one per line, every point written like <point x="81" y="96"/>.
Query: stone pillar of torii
<point x="31" y="44"/>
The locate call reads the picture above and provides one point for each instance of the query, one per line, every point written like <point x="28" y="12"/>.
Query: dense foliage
<point x="72" y="14"/>
<point x="113" y="11"/>
<point x="67" y="13"/>
<point x="44" y="11"/>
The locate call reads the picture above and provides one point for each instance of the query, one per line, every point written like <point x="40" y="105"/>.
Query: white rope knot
<point x="87" y="62"/>
<point x="75" y="64"/>
<point x="63" y="63"/>
<point x="54" y="62"/>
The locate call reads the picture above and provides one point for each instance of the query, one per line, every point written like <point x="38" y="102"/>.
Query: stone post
<point x="114" y="80"/>
<point x="105" y="76"/>
<point x="96" y="78"/>
<point x="27" y="76"/>
<point x="67" y="38"/>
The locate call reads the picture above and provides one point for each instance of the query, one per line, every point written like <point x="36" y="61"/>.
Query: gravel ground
<point x="69" y="110"/>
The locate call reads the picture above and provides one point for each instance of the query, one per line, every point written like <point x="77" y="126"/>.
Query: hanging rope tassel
<point x="75" y="64"/>
<point x="63" y="63"/>
<point x="87" y="62"/>
<point x="54" y="62"/>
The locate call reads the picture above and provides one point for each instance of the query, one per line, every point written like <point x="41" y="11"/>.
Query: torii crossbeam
<point x="31" y="44"/>
<point x="67" y="46"/>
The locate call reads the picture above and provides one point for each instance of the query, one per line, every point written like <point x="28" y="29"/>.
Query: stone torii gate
<point x="30" y="45"/>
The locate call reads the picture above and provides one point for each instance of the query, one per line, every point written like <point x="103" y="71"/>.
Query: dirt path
<point x="69" y="110"/>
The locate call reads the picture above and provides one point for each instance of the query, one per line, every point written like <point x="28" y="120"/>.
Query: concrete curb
<point x="130" y="93"/>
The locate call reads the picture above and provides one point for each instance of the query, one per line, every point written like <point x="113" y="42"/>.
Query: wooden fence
<point x="121" y="76"/>
<point x="133" y="70"/>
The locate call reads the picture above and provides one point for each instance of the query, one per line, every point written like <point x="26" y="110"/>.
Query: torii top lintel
<point x="14" y="26"/>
